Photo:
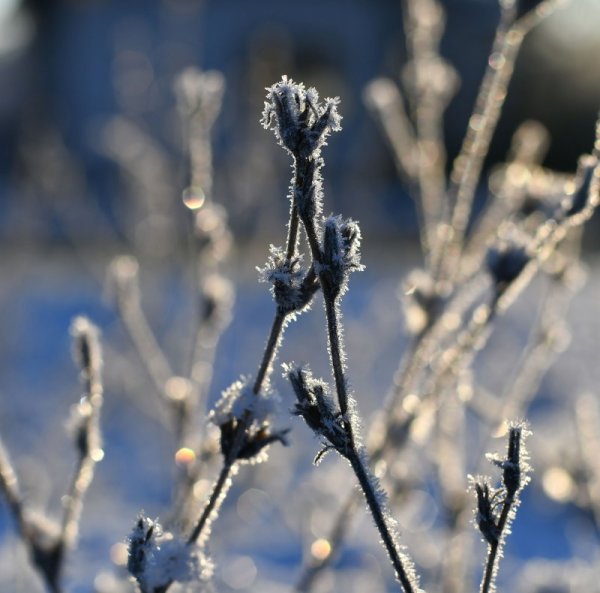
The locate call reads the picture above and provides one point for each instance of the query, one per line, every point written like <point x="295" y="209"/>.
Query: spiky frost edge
<point x="382" y="500"/>
<point x="239" y="400"/>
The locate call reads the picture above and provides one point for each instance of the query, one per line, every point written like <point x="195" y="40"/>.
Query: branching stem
<point x="489" y="574"/>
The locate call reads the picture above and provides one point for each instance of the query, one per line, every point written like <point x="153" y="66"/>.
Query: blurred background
<point x="92" y="166"/>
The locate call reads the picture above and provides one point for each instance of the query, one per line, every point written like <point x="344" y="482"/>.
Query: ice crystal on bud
<point x="340" y="253"/>
<point x="300" y="122"/>
<point x="157" y="559"/>
<point x="244" y="420"/>
<point x="293" y="287"/>
<point x="316" y="406"/>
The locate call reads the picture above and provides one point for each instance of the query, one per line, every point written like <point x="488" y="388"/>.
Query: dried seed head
<point x="244" y="418"/>
<point x="515" y="466"/>
<point x="433" y="79"/>
<point x="316" y="406"/>
<point x="293" y="287"/>
<point x="505" y="262"/>
<point x="340" y="253"/>
<point x="485" y="516"/>
<point x="156" y="558"/>
<point x="300" y="122"/>
<point x="200" y="93"/>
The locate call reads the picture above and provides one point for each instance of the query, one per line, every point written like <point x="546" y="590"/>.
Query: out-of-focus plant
<point x="474" y="269"/>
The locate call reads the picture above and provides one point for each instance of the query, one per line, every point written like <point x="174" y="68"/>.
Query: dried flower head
<point x="316" y="406"/>
<point x="515" y="466"/>
<point x="505" y="262"/>
<point x="293" y="286"/>
<point x="299" y="120"/>
<point x="200" y="93"/>
<point x="340" y="253"/>
<point x="244" y="418"/>
<point x="497" y="507"/>
<point x="486" y="516"/>
<point x="157" y="558"/>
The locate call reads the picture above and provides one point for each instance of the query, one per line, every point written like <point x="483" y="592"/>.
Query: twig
<point x="47" y="544"/>
<point x="467" y="166"/>
<point x="218" y="494"/>
<point x="492" y="526"/>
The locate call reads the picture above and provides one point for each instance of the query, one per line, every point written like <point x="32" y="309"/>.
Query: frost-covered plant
<point x="158" y="558"/>
<point x="239" y="404"/>
<point x="473" y="269"/>
<point x="497" y="507"/>
<point x="301" y="124"/>
<point x="47" y="541"/>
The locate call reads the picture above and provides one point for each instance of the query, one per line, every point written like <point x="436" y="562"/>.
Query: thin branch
<point x="482" y="124"/>
<point x="211" y="509"/>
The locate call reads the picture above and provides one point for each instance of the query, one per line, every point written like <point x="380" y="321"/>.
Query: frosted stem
<point x="381" y="522"/>
<point x="488" y="584"/>
<point x="217" y="496"/>
<point x="270" y="352"/>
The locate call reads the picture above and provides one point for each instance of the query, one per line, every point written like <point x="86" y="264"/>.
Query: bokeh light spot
<point x="193" y="197"/>
<point x="320" y="549"/>
<point x="558" y="484"/>
<point x="119" y="554"/>
<point x="185" y="456"/>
